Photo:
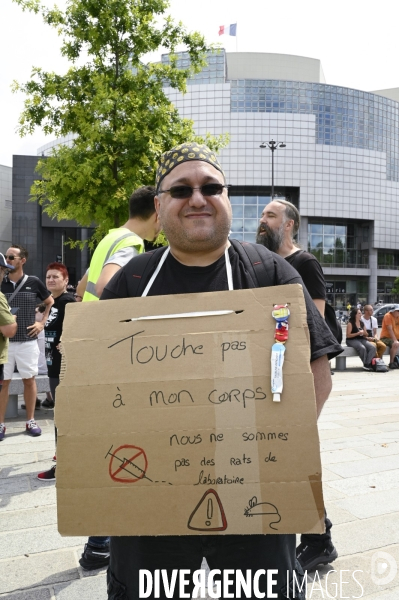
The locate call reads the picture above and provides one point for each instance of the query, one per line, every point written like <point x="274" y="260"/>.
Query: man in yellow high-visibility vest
<point x="122" y="244"/>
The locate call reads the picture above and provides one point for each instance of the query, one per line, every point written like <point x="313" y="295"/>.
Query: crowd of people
<point x="31" y="345"/>
<point x="190" y="203"/>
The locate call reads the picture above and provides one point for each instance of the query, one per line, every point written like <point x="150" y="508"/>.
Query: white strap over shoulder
<point x="154" y="275"/>
<point x="165" y="254"/>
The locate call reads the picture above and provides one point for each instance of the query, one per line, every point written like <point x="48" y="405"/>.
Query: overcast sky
<point x="356" y="41"/>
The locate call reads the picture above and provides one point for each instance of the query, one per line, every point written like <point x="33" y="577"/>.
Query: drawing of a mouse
<point x="263" y="508"/>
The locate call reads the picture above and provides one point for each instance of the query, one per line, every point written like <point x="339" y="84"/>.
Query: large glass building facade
<point x="340" y="163"/>
<point x="343" y="117"/>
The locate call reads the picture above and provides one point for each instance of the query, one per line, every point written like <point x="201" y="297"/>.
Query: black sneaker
<point x="393" y="365"/>
<point x="48" y="403"/>
<point x="310" y="556"/>
<point x="38" y="404"/>
<point x="94" y="558"/>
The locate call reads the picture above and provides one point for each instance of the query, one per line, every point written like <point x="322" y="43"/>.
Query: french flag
<point x="228" y="29"/>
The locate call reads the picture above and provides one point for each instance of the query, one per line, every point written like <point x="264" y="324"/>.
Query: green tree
<point x="395" y="289"/>
<point x="111" y="101"/>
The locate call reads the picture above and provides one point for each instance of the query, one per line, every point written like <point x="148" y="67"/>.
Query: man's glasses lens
<point x="186" y="191"/>
<point x="10" y="256"/>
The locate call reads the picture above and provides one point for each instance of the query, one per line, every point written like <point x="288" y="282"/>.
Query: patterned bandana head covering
<point x="188" y="151"/>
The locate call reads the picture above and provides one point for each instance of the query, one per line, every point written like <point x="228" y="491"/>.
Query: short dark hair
<point x="22" y="251"/>
<point x="57" y="266"/>
<point x="141" y="203"/>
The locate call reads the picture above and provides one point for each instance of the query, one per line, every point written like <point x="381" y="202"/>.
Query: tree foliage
<point x="395" y="289"/>
<point x="111" y="101"/>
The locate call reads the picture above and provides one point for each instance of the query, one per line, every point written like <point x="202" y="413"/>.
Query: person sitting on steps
<point x="356" y="337"/>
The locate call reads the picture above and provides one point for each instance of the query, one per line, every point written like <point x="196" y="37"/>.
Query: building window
<point x="337" y="245"/>
<point x="343" y="118"/>
<point x="388" y="259"/>
<point x="247" y="205"/>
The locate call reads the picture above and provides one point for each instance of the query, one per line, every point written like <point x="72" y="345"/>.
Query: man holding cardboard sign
<point x="195" y="213"/>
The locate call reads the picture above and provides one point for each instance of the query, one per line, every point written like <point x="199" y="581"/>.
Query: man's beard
<point x="271" y="238"/>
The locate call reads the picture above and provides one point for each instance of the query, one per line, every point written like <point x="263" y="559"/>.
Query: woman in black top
<point x="356" y="335"/>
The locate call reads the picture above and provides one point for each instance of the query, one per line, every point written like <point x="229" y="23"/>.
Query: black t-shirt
<point x="311" y="272"/>
<point x="53" y="331"/>
<point x="175" y="278"/>
<point x="28" y="297"/>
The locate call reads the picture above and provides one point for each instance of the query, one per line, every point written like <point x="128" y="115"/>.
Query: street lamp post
<point x="273" y="146"/>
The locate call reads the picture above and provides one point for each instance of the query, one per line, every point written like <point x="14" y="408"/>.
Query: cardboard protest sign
<point x="168" y="427"/>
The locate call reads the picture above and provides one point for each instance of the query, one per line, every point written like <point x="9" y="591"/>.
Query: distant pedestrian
<point x="8" y="327"/>
<point x="56" y="281"/>
<point x="23" y="292"/>
<point x="390" y="334"/>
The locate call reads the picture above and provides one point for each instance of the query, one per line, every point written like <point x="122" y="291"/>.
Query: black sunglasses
<point x="10" y="256"/>
<point x="182" y="192"/>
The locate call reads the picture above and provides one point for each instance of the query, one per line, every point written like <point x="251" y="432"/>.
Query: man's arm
<point x="38" y="326"/>
<point x="322" y="381"/>
<point x="391" y="333"/>
<point x="320" y="304"/>
<point x="81" y="287"/>
<point x="112" y="266"/>
<point x="374" y="327"/>
<point x="106" y="275"/>
<point x="9" y="330"/>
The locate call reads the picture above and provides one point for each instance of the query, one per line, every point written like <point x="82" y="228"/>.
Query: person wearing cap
<point x="8" y="324"/>
<point x="195" y="213"/>
<point x="390" y="334"/>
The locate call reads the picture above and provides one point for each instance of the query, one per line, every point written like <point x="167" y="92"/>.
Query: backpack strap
<point x="258" y="261"/>
<point x="144" y="265"/>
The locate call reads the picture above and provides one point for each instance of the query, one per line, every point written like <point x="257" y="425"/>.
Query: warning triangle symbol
<point x="208" y="515"/>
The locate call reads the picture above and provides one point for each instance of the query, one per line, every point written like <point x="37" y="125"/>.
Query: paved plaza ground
<point x="359" y="434"/>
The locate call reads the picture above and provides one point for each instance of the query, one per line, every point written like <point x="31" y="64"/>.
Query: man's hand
<point x="35" y="329"/>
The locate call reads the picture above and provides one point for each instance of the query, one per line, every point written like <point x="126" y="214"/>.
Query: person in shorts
<point x="23" y="292"/>
<point x="8" y="328"/>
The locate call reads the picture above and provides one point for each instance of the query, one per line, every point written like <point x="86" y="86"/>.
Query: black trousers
<point x="254" y="552"/>
<point x="54" y="382"/>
